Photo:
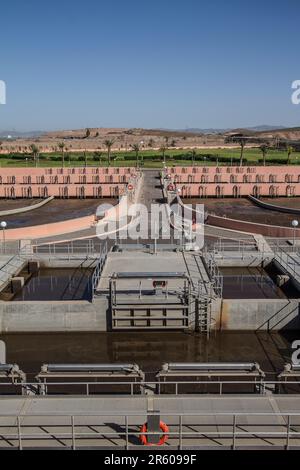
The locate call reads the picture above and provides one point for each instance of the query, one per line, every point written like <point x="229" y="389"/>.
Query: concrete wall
<point x="259" y="314"/>
<point x="236" y="181"/>
<point x="60" y="316"/>
<point x="243" y="314"/>
<point x="64" y="182"/>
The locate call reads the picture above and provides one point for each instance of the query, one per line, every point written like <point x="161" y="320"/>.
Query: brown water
<point x="55" y="211"/>
<point x="254" y="283"/>
<point x="244" y="209"/>
<point x="149" y="350"/>
<point x="57" y="284"/>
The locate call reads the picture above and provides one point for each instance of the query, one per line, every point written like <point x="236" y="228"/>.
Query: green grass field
<point x="152" y="159"/>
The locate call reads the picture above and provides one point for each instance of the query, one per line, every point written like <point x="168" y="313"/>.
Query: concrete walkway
<point x="215" y="422"/>
<point x="9" y="267"/>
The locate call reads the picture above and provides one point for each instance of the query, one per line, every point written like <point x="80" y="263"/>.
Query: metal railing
<point x="287" y="261"/>
<point x="158" y="387"/>
<point x="215" y="275"/>
<point x="220" y="430"/>
<point x="99" y="267"/>
<point x="78" y="247"/>
<point x="9" y="269"/>
<point x="9" y="247"/>
<point x="240" y="246"/>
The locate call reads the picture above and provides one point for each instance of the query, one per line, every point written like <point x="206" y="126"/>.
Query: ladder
<point x="203" y="314"/>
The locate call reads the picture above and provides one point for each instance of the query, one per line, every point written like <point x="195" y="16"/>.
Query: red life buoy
<point x="130" y="187"/>
<point x="164" y="428"/>
<point x="170" y="187"/>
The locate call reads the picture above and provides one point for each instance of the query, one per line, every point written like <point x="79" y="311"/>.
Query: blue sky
<point x="158" y="63"/>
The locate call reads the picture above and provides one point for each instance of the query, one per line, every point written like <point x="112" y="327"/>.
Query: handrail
<point x="74" y="429"/>
<point x="99" y="267"/>
<point x="156" y="386"/>
<point x="281" y="253"/>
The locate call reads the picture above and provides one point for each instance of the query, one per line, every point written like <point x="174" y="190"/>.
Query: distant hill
<point x="262" y="128"/>
<point x="16" y="134"/>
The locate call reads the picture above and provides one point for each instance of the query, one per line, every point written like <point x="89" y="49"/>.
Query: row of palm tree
<point x="264" y="150"/>
<point x="136" y="149"/>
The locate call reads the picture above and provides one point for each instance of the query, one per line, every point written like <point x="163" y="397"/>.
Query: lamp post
<point x="295" y="224"/>
<point x="3" y="225"/>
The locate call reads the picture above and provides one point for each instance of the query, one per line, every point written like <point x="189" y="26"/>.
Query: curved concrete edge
<point x="230" y="230"/>
<point x="273" y="207"/>
<point x="276" y="231"/>
<point x="20" y="210"/>
<point x="74" y="225"/>
<point x="50" y="230"/>
<point x="245" y="227"/>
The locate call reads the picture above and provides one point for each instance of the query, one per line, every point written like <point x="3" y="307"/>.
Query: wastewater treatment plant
<point x="175" y="290"/>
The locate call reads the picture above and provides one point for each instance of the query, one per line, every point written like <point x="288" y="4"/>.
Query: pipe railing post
<point x="288" y="430"/>
<point x="180" y="432"/>
<point x="233" y="432"/>
<point x="126" y="432"/>
<point x="73" y="433"/>
<point x="19" y="433"/>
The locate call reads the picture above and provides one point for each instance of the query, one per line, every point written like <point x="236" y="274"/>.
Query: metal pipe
<point x="182" y="366"/>
<point x="90" y="367"/>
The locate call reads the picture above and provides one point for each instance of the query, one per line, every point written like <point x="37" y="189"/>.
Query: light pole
<point x="295" y="224"/>
<point x="3" y="226"/>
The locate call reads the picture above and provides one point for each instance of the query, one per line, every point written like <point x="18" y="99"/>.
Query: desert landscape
<point x="124" y="139"/>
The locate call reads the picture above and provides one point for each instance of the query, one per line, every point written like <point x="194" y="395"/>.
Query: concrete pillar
<point x="33" y="266"/>
<point x="17" y="284"/>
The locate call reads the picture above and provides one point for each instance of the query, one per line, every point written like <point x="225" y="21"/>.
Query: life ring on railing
<point x="130" y="187"/>
<point x="170" y="187"/>
<point x="164" y="428"/>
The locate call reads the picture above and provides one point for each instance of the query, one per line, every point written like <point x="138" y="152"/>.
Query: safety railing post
<point x="288" y="430"/>
<point x="19" y="432"/>
<point x="73" y="433"/>
<point x="180" y="432"/>
<point x="126" y="432"/>
<point x="233" y="432"/>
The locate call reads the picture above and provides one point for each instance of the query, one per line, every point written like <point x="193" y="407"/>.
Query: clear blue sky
<point x="155" y="63"/>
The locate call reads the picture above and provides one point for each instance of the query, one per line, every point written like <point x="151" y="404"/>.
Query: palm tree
<point x="264" y="150"/>
<point x="151" y="143"/>
<point x="163" y="150"/>
<point x="290" y="150"/>
<point x="193" y="155"/>
<point x="136" y="149"/>
<point x="108" y="144"/>
<point x="242" y="144"/>
<point x="35" y="153"/>
<point x="61" y="146"/>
